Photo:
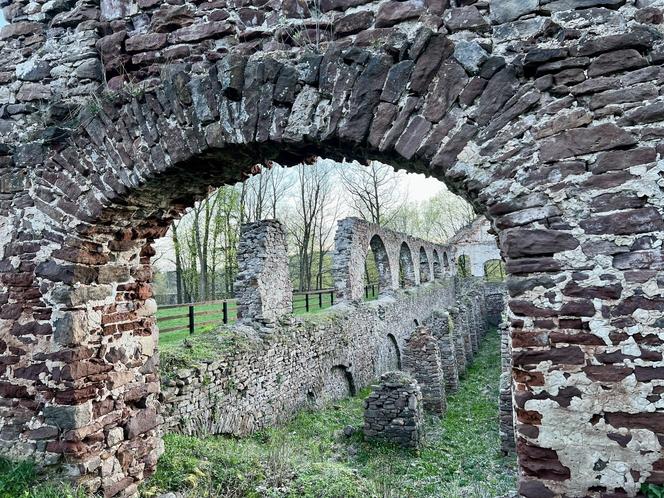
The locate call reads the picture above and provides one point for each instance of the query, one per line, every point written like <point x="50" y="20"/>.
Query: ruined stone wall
<point x="393" y="411"/>
<point x="547" y="115"/>
<point x="262" y="286"/>
<point x="267" y="379"/>
<point x="495" y="294"/>
<point x="355" y="237"/>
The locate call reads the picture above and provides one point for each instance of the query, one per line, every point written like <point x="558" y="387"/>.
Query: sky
<point x="2" y="18"/>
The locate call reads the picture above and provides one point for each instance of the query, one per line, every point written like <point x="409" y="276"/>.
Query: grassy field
<point x="310" y="457"/>
<point x="165" y="317"/>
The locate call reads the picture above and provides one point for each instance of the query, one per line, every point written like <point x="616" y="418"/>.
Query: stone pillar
<point x="421" y="357"/>
<point x="262" y="287"/>
<point x="459" y="341"/>
<point x="464" y="328"/>
<point x="393" y="411"/>
<point x="440" y="326"/>
<point x="507" y="442"/>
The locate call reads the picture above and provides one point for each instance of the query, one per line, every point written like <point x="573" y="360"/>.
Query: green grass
<point x="165" y="316"/>
<point x="309" y="457"/>
<point x="21" y="480"/>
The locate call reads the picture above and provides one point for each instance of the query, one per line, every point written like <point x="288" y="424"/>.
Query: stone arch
<point x="382" y="261"/>
<point x="437" y="269"/>
<point x="511" y="130"/>
<point x="494" y="270"/>
<point x="407" y="276"/>
<point x="425" y="267"/>
<point x="446" y="262"/>
<point x="390" y="357"/>
<point x="338" y="384"/>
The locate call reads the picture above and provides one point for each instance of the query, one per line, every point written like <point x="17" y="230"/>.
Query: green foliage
<point x="20" y="480"/>
<point x="463" y="266"/>
<point x="310" y="457"/>
<point x="652" y="490"/>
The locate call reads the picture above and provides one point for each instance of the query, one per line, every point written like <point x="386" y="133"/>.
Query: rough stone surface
<point x="393" y="411"/>
<point x="87" y="181"/>
<point x="262" y="287"/>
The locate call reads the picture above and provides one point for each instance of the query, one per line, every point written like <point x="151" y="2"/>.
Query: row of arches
<point x="377" y="265"/>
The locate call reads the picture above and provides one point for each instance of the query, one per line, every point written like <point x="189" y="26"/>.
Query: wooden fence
<point x="189" y="316"/>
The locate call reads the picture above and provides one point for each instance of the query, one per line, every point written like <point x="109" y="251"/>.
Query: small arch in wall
<point x="425" y="269"/>
<point x="406" y="267"/>
<point x="437" y="269"/>
<point x="381" y="264"/>
<point x="394" y="353"/>
<point x="338" y="384"/>
<point x="463" y="266"/>
<point x="446" y="261"/>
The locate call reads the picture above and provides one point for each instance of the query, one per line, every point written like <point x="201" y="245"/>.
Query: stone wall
<point x="547" y="115"/>
<point x="422" y="359"/>
<point x="420" y="259"/>
<point x="393" y="411"/>
<point x="266" y="379"/>
<point x="505" y="409"/>
<point x="262" y="286"/>
<point x="495" y="294"/>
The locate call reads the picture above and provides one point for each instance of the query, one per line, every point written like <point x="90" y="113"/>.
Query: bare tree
<point x="374" y="190"/>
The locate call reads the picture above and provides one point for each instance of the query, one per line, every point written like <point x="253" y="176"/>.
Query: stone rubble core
<point x="117" y="115"/>
<point x="422" y="359"/>
<point x="262" y="287"/>
<point x="393" y="411"/>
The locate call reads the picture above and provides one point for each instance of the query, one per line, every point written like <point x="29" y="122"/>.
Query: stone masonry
<point x="505" y="408"/>
<point x="262" y="287"/>
<point x="393" y="411"/>
<point x="442" y="329"/>
<point x="548" y="115"/>
<point x="265" y="378"/>
<point x="421" y="358"/>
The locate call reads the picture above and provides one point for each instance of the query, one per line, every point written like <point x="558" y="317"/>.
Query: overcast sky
<point x="2" y="18"/>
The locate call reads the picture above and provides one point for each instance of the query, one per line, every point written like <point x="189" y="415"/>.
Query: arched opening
<point x="389" y="357"/>
<point x="95" y="196"/>
<point x="446" y="262"/>
<point x="338" y="384"/>
<point x="378" y="276"/>
<point x="406" y="267"/>
<point x="437" y="268"/>
<point x="463" y="266"/>
<point x="425" y="268"/>
<point x="494" y="270"/>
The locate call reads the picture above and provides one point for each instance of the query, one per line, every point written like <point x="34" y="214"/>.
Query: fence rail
<point x="187" y="316"/>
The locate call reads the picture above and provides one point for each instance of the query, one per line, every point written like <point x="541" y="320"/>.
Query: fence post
<point x="366" y="292"/>
<point x="306" y="302"/>
<point x="225" y="311"/>
<point x="191" y="318"/>
<point x="320" y="300"/>
<point x="373" y="290"/>
<point x="331" y="298"/>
